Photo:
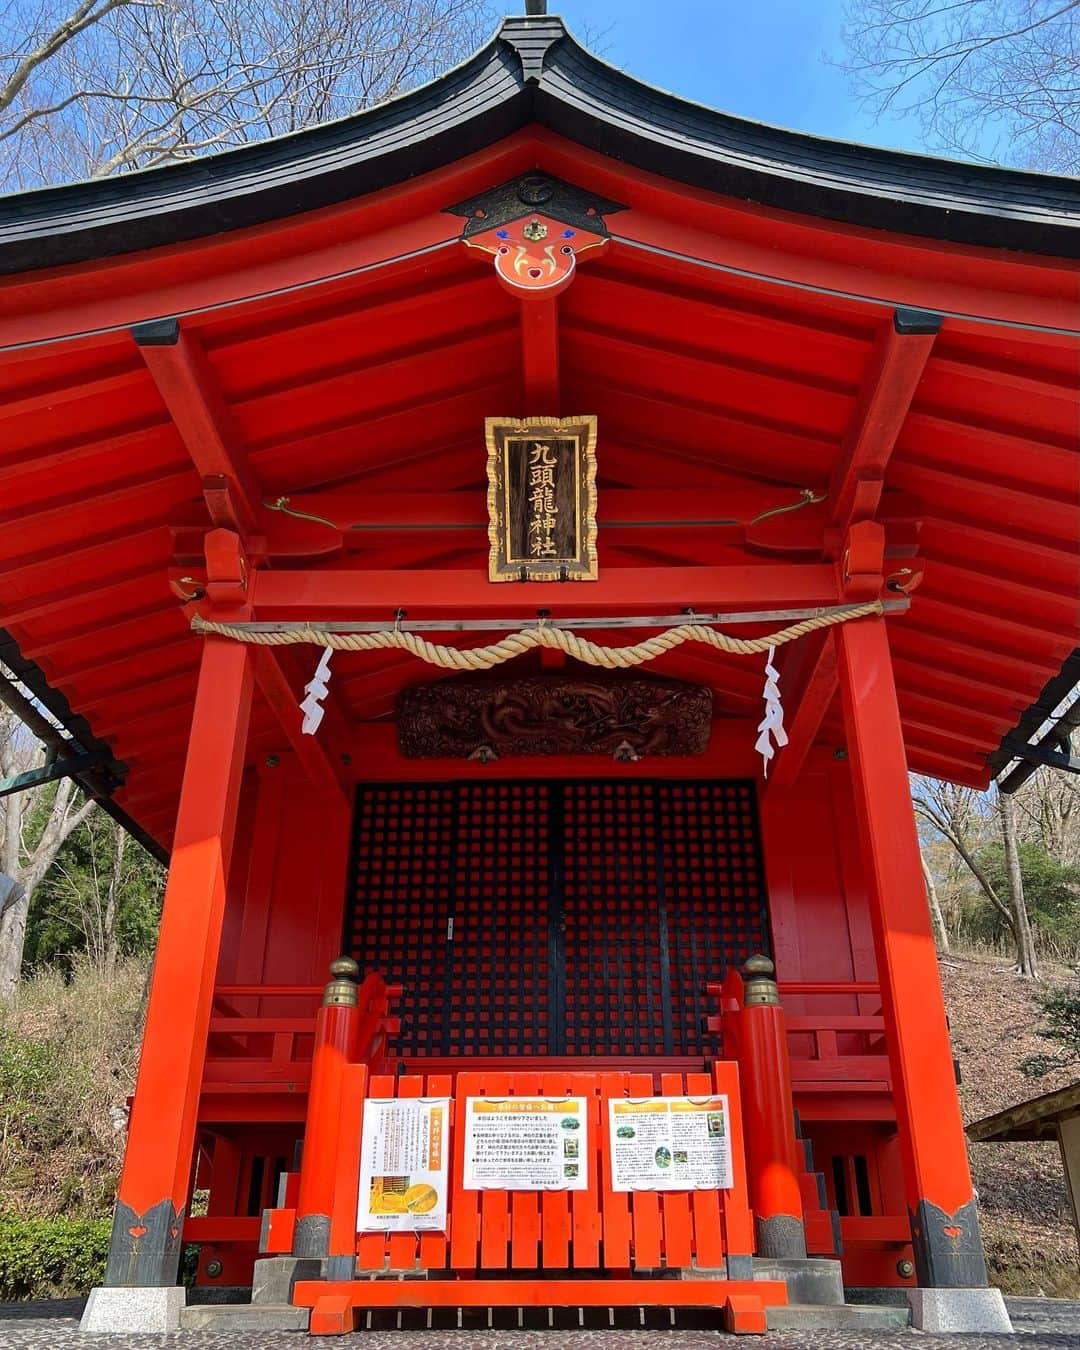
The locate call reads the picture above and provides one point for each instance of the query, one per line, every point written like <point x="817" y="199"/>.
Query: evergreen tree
<point x="102" y="897"/>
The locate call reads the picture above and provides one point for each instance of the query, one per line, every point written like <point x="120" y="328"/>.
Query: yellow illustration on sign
<point x="403" y="1165"/>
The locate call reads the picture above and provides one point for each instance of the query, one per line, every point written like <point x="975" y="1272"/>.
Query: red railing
<point x="495" y="1241"/>
<point x="826" y="1048"/>
<point x="261" y="1041"/>
<point x="836" y="1054"/>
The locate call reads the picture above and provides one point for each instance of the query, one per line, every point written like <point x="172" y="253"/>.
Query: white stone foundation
<point x="945" y="1310"/>
<point x="115" y="1309"/>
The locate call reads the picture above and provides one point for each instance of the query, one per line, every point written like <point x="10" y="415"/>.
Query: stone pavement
<point x="1044" y="1324"/>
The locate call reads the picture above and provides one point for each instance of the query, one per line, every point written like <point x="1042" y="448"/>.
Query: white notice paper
<point x="670" y="1144"/>
<point x="403" y="1165"/>
<point x="526" y="1144"/>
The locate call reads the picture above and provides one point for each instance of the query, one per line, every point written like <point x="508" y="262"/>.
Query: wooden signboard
<point x="542" y="498"/>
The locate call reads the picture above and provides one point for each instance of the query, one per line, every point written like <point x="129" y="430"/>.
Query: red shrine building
<point x="514" y="544"/>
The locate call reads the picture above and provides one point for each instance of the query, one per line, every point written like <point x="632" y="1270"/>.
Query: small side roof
<point x="1030" y="1120"/>
<point x="533" y="72"/>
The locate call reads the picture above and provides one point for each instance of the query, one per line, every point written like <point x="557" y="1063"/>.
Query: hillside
<point x="1027" y="1225"/>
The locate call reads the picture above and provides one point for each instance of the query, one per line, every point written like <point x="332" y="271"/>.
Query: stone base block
<point x="888" y="1295"/>
<point x="868" y="1319"/>
<point x="275" y="1276"/>
<point x="244" y="1317"/>
<point x="817" y="1280"/>
<point x="943" y="1310"/>
<point x="119" y="1309"/>
<point x="219" y="1293"/>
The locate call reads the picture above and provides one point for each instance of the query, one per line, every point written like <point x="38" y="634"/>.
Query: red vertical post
<point x="337" y="1028"/>
<point x="769" y="1116"/>
<point x="940" y="1199"/>
<point x="147" y="1224"/>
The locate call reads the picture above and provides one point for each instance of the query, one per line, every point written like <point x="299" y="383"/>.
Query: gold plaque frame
<point x="576" y="557"/>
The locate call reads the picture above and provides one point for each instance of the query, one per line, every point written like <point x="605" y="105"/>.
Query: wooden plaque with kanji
<point x="542" y="498"/>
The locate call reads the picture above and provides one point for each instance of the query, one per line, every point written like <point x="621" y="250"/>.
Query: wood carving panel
<point x="624" y="717"/>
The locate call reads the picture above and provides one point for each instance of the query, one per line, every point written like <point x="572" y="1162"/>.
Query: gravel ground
<point x="1046" y="1324"/>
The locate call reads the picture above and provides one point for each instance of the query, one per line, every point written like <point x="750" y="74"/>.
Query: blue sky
<point x="762" y="59"/>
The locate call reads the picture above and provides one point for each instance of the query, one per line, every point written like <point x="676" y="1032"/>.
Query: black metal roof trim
<point x="98" y="783"/>
<point x="1052" y="749"/>
<point x="534" y="71"/>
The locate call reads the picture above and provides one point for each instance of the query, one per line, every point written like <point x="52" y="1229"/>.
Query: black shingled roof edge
<point x="533" y="71"/>
<point x="1056" y="690"/>
<point x="99" y="784"/>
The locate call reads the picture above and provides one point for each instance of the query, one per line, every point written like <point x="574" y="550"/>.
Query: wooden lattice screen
<point x="556" y="918"/>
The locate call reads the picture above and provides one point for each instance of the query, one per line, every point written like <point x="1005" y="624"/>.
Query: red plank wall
<point x="287" y="891"/>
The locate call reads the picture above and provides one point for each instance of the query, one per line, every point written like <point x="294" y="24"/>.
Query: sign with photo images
<point x="542" y="499"/>
<point x="526" y="1144"/>
<point x="670" y="1144"/>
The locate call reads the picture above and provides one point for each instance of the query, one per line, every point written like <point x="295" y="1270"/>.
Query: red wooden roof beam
<point x="897" y="364"/>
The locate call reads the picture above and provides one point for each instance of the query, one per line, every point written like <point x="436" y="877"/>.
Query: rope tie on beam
<point x="543" y="635"/>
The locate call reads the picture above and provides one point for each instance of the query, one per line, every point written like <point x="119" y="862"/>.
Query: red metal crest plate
<point x="536" y="253"/>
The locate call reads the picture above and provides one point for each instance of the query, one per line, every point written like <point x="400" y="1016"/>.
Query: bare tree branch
<point x="124" y="84"/>
<point x="992" y="80"/>
<point x="82" y="17"/>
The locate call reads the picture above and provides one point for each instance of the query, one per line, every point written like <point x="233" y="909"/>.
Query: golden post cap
<point x="341" y="992"/>
<point x="759" y="986"/>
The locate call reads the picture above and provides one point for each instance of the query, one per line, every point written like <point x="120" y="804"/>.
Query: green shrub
<point x="1061" y="1024"/>
<point x="1052" y="893"/>
<point x="51" y="1258"/>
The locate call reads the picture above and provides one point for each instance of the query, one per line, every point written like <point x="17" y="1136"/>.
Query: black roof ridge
<point x="534" y="70"/>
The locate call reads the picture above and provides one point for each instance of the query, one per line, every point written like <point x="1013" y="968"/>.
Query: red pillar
<point x="147" y="1224"/>
<point x="337" y="1028"/>
<point x="940" y="1199"/>
<point x="769" y="1116"/>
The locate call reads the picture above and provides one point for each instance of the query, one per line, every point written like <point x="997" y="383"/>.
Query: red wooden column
<point x="337" y="1032"/>
<point x="769" y="1116"/>
<point x="147" y="1224"/>
<point x="941" y="1204"/>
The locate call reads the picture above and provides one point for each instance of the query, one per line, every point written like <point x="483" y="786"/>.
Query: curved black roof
<point x="533" y="71"/>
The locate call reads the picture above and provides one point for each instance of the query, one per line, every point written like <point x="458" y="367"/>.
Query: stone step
<point x="811" y="1281"/>
<point x="837" y="1317"/>
<point x="244" y="1317"/>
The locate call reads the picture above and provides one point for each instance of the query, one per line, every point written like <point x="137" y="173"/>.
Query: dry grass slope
<point x="68" y="1055"/>
<point x="1024" y="1205"/>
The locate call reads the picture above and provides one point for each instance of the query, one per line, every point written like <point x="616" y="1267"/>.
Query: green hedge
<point x="51" y="1258"/>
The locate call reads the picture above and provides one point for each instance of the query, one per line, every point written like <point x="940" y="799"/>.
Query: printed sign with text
<point x="403" y="1165"/>
<point x="670" y="1144"/>
<point x="526" y="1144"/>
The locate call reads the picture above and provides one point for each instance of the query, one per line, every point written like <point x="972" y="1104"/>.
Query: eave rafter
<point x="187" y="386"/>
<point x="897" y="364"/>
<point x="855" y="491"/>
<point x="179" y="368"/>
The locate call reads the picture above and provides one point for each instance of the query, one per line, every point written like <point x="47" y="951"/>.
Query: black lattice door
<point x="576" y="918"/>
